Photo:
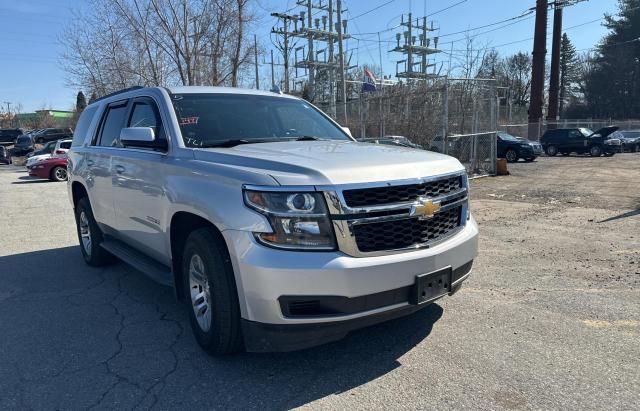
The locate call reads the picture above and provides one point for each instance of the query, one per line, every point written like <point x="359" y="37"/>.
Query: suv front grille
<point x="405" y="233"/>
<point x="364" y="197"/>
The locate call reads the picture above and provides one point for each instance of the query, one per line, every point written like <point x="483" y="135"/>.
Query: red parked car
<point x="55" y="169"/>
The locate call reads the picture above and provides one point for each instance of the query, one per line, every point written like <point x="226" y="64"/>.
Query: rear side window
<point x="66" y="145"/>
<point x="113" y="123"/>
<point x="83" y="126"/>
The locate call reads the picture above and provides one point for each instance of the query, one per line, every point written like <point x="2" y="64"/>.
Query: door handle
<point x="119" y="169"/>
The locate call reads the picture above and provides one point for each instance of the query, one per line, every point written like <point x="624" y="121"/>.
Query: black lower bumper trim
<point x="261" y="337"/>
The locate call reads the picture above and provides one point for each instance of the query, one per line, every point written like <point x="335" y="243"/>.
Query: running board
<point x="148" y="266"/>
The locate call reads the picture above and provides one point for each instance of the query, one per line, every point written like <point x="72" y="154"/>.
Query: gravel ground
<point x="550" y="318"/>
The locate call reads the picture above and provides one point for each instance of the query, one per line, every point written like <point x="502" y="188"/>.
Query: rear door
<point x="139" y="185"/>
<point x="99" y="160"/>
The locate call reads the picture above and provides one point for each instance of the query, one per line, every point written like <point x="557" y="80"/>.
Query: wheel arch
<point x="182" y="223"/>
<point x="78" y="191"/>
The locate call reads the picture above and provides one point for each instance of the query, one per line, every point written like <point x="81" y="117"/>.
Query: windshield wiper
<point x="229" y="143"/>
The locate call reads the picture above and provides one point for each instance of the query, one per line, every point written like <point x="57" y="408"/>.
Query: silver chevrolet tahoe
<point x="279" y="230"/>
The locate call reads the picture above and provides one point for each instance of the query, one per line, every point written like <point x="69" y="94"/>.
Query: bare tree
<point x="158" y="43"/>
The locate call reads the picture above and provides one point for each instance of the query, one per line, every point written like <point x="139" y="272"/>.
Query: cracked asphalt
<point x="550" y="318"/>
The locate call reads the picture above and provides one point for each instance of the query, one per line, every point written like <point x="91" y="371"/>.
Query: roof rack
<point x="124" y="90"/>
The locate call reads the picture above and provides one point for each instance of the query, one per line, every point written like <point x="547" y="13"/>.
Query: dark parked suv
<point x="24" y="146"/>
<point x="53" y="134"/>
<point x="581" y="141"/>
<point x="10" y="135"/>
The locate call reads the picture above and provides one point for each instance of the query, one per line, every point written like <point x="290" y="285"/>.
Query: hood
<point x="605" y="131"/>
<point x="331" y="162"/>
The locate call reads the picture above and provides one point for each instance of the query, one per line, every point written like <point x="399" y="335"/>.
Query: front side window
<point x="112" y="125"/>
<point x="208" y="120"/>
<point x="143" y="114"/>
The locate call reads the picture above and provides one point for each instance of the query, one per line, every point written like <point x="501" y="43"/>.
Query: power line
<point x="373" y="9"/>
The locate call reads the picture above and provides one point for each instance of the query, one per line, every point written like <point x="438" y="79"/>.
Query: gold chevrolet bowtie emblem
<point x="424" y="208"/>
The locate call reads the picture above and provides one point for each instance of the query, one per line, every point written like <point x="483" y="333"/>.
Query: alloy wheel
<point x="200" y="292"/>
<point x="85" y="233"/>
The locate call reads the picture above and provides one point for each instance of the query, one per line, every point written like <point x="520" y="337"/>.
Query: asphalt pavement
<point x="550" y="319"/>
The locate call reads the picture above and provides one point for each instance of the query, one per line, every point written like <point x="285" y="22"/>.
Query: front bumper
<point x="264" y="275"/>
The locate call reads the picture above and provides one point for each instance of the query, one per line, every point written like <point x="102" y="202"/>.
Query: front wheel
<point x="552" y="151"/>
<point x="211" y="291"/>
<point x="511" y="156"/>
<point x="595" y="151"/>
<point x="90" y="236"/>
<point x="58" y="173"/>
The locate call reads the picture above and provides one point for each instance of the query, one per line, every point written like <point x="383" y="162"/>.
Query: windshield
<point x="23" y="140"/>
<point x="508" y="137"/>
<point x="586" y="131"/>
<point x="210" y="119"/>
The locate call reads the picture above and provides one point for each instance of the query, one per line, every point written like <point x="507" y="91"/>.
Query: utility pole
<point x="332" y="85"/>
<point x="273" y="78"/>
<point x="343" y="84"/>
<point x="537" y="72"/>
<point x="554" y="85"/>
<point x="310" y="56"/>
<point x="284" y="31"/>
<point x="255" y="54"/>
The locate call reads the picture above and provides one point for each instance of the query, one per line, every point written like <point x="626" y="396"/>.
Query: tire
<point x="511" y="156"/>
<point x="58" y="174"/>
<point x="90" y="236"/>
<point x="595" y="151"/>
<point x="211" y="291"/>
<point x="552" y="151"/>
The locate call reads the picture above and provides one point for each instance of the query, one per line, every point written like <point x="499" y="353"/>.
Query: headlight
<point x="299" y="220"/>
<point x="465" y="183"/>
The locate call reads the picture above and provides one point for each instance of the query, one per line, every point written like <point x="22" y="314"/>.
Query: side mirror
<point x="141" y="137"/>
<point x="346" y="130"/>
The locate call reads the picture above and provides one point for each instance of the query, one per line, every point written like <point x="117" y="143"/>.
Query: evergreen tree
<point x="81" y="102"/>
<point x="568" y="72"/>
<point x="612" y="85"/>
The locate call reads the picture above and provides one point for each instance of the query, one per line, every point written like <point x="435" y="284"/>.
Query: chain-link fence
<point x="461" y="111"/>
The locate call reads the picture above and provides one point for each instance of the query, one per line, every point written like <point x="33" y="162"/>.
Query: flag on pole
<point x="369" y="83"/>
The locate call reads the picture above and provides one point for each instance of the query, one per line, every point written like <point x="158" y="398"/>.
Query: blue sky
<point x="31" y="74"/>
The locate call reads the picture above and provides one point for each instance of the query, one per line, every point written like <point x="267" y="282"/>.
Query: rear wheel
<point x="90" y="236"/>
<point x="511" y="156"/>
<point x="595" y="151"/>
<point x="208" y="277"/>
<point x="58" y="173"/>
<point x="552" y="151"/>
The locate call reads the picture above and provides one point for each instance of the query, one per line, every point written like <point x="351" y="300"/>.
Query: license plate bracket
<point x="431" y="286"/>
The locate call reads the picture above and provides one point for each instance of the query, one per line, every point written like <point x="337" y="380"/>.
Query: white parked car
<point x="61" y="149"/>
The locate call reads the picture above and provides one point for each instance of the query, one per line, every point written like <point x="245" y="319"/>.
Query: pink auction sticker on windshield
<point x="189" y="120"/>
